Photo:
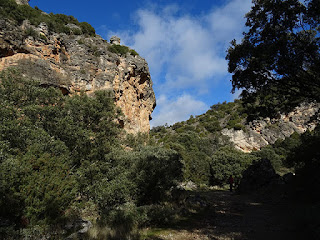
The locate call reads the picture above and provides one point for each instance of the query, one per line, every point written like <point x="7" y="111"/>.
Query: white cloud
<point x="227" y="23"/>
<point x="182" y="45"/>
<point x="171" y="111"/>
<point x="188" y="51"/>
<point x="185" y="52"/>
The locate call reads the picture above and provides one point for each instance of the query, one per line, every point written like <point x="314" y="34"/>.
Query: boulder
<point x="115" y="40"/>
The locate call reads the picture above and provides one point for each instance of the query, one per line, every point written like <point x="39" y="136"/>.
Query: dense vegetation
<point x="55" y="149"/>
<point x="277" y="61"/>
<point x="208" y="156"/>
<point x="56" y="22"/>
<point x="64" y="158"/>
<point x="277" y="65"/>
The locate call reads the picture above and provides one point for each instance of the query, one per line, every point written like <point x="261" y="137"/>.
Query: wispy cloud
<point x="175" y="110"/>
<point x="186" y="54"/>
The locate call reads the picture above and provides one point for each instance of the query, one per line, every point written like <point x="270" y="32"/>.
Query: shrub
<point x="46" y="140"/>
<point x="270" y="154"/>
<point x="121" y="50"/>
<point x="133" y="52"/>
<point x="31" y="32"/>
<point x="228" y="161"/>
<point x="155" y="171"/>
<point x="81" y="41"/>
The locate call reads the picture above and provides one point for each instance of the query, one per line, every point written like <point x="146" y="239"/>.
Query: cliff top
<point x="22" y="2"/>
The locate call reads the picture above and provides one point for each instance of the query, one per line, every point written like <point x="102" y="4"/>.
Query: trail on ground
<point x="230" y="216"/>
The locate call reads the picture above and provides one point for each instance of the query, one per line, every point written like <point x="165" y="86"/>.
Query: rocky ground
<point x="231" y="216"/>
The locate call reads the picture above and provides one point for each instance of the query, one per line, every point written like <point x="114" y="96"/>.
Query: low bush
<point x="121" y="50"/>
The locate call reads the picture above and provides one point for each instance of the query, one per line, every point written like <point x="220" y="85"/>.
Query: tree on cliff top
<point x="277" y="62"/>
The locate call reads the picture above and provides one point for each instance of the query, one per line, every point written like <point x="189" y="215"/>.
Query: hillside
<point x="230" y="120"/>
<point x="221" y="141"/>
<point x="77" y="159"/>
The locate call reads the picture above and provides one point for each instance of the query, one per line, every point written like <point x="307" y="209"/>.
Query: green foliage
<point x="277" y="61"/>
<point x="49" y="146"/>
<point x="81" y="41"/>
<point x="270" y="154"/>
<point x="54" y="148"/>
<point x="122" y="50"/>
<point x="55" y="22"/>
<point x="31" y="32"/>
<point x="94" y="50"/>
<point x="155" y="171"/>
<point x="199" y="137"/>
<point x="133" y="52"/>
<point x="87" y="29"/>
<point x="228" y="161"/>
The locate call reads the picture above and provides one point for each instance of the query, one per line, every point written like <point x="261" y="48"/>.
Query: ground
<point x="225" y="215"/>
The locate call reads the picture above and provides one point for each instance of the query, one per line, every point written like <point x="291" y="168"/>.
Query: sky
<point x="183" y="41"/>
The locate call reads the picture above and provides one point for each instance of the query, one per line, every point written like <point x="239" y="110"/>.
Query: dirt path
<point x="230" y="216"/>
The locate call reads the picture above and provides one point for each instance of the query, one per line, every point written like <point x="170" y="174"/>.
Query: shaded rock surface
<point x="79" y="227"/>
<point x="76" y="63"/>
<point x="260" y="133"/>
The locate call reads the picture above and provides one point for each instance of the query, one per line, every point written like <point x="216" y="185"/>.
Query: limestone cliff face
<point x="76" y="63"/>
<point x="22" y="2"/>
<point x="260" y="133"/>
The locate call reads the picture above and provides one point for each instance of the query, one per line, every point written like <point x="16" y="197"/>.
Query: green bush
<point x="31" y="32"/>
<point x="154" y="172"/>
<point x="270" y="154"/>
<point x="133" y="52"/>
<point x="121" y="50"/>
<point x="51" y="147"/>
<point x="228" y="161"/>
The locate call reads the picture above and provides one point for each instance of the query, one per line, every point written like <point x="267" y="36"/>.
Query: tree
<point x="277" y="62"/>
<point x="228" y="161"/>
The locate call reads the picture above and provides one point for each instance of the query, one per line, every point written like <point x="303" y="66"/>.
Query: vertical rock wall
<point x="76" y="63"/>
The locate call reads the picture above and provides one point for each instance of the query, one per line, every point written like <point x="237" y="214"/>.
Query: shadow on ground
<point x="225" y="215"/>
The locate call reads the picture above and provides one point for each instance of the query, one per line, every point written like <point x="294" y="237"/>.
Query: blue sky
<point x="183" y="41"/>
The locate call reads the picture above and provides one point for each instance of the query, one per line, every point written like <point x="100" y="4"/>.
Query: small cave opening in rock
<point x="121" y="123"/>
<point x="55" y="51"/>
<point x="5" y="52"/>
<point x="143" y="78"/>
<point x="64" y="91"/>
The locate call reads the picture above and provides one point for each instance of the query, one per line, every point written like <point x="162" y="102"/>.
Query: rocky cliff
<point x="22" y="2"/>
<point x="260" y="133"/>
<point x="75" y="62"/>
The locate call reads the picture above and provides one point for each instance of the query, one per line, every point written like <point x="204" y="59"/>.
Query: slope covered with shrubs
<point x="60" y="154"/>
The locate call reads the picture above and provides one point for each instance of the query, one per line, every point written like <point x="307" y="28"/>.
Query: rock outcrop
<point x="23" y="2"/>
<point x="76" y="63"/>
<point x="260" y="133"/>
